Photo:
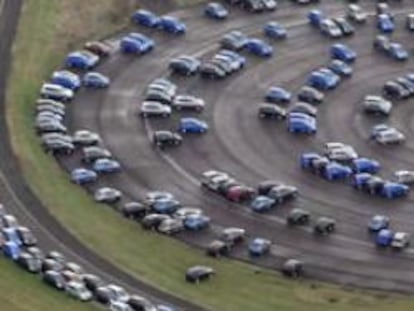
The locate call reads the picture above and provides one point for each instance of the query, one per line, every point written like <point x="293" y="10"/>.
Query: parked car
<point x="102" y="49"/>
<point x="393" y="190"/>
<point x="29" y="262"/>
<point x="145" y="18"/>
<point x="233" y="236"/>
<point x="365" y="165"/>
<point x="56" y="92"/>
<point x="259" y="47"/>
<point x="154" y="109"/>
<point x="409" y="23"/>
<point x="111" y="292"/>
<point x="86" y="138"/>
<point x="216" y="10"/>
<point x="343" y="52"/>
<point x="384" y="238"/>
<point x="66" y="79"/>
<point x="95" y="80"/>
<point x="282" y="193"/>
<point x="274" y="30"/>
<point x="196" y="222"/>
<point x="377" y="105"/>
<point x="302" y="125"/>
<point x="196" y="274"/>
<point x="324" y="225"/>
<point x="192" y="125"/>
<point x="340" y="68"/>
<point x="54" y="279"/>
<point x="400" y="240"/>
<point x="336" y="171"/>
<point x="389" y="137"/>
<point x="271" y="111"/>
<point x="166" y="138"/>
<point x="378" y="222"/>
<point x="106" y="166"/>
<point x="292" y="268"/>
<point x="330" y="28"/>
<point x="185" y="65"/>
<point x="398" y="52"/>
<point x="302" y="107"/>
<point x="78" y="291"/>
<point x="93" y="153"/>
<point x="234" y="40"/>
<point x="172" y="25"/>
<point x="355" y="13"/>
<point x="139" y="303"/>
<point x="107" y="195"/>
<point x="404" y="177"/>
<point x="262" y="203"/>
<point x="218" y="248"/>
<point x="136" y="43"/>
<point x="315" y="17"/>
<point x="298" y="216"/>
<point x="278" y="95"/>
<point x="259" y="247"/>
<point x="346" y="28"/>
<point x="310" y="95"/>
<point x="152" y="221"/>
<point x="81" y="60"/>
<point x="385" y="23"/>
<point x="189" y="102"/>
<point x="170" y="226"/>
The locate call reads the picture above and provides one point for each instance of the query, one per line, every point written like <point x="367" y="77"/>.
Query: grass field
<point x="155" y="259"/>
<point x="20" y="291"/>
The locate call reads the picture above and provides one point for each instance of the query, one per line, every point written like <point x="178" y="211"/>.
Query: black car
<point x="394" y="90"/>
<point x="298" y="216"/>
<point x="91" y="154"/>
<point x="265" y="186"/>
<point x="234" y="40"/>
<point x="218" y="248"/>
<point x="324" y="225"/>
<point x="54" y="279"/>
<point x="310" y="95"/>
<point x="139" y="303"/>
<point x="346" y="28"/>
<point x="374" y="185"/>
<point x="152" y="221"/>
<point x="58" y="147"/>
<point x="26" y="236"/>
<point x="292" y="268"/>
<point x="134" y="210"/>
<point x="406" y="84"/>
<point x="103" y="295"/>
<point x="271" y="111"/>
<point x="185" y="65"/>
<point x="49" y="264"/>
<point x="253" y="5"/>
<point x="210" y="70"/>
<point x="198" y="273"/>
<point x="283" y="193"/>
<point x="166" y="138"/>
<point x="92" y="282"/>
<point x="305" y="108"/>
<point x="29" y="262"/>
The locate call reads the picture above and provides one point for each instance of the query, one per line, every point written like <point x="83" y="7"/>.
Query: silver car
<point x="171" y="226"/>
<point x="49" y="125"/>
<point x="188" y="102"/>
<point x="355" y="13"/>
<point x="78" y="290"/>
<point x="404" y="177"/>
<point x="50" y="90"/>
<point x="86" y="138"/>
<point x="390" y="136"/>
<point x="107" y="195"/>
<point x="154" y="108"/>
<point x="374" y="104"/>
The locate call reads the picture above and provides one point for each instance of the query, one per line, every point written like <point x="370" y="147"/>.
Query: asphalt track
<point x="20" y="200"/>
<point x="254" y="151"/>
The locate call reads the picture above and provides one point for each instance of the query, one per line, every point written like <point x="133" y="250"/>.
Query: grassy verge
<point x="20" y="291"/>
<point x="153" y="258"/>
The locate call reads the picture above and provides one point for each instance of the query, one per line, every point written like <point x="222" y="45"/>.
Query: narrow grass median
<point x="40" y="48"/>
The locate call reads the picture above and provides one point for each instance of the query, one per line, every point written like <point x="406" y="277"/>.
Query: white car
<point x="86" y="138"/>
<point x="171" y="226"/>
<point x="410" y="22"/>
<point x="400" y="240"/>
<point x="404" y="177"/>
<point x="120" y="294"/>
<point x="9" y="221"/>
<point x="338" y="151"/>
<point x="188" y="102"/>
<point x="183" y="212"/>
<point x="78" y="291"/>
<point x="56" y="92"/>
<point x="107" y="195"/>
<point x="270" y="5"/>
<point x="355" y="13"/>
<point x="331" y="29"/>
<point x="390" y="136"/>
<point x="119" y="306"/>
<point x="377" y="105"/>
<point x="154" y="108"/>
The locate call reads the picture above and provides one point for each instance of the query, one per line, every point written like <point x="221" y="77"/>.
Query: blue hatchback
<point x="11" y="250"/>
<point x="365" y="165"/>
<point x="262" y="204"/>
<point x="336" y="171"/>
<point x="165" y="206"/>
<point x="359" y="180"/>
<point x="384" y="238"/>
<point x="323" y="80"/>
<point x="66" y="79"/>
<point x="172" y="25"/>
<point x="136" y="43"/>
<point x="81" y="60"/>
<point x="385" y="23"/>
<point x="95" y="80"/>
<point x="343" y="52"/>
<point x="192" y="125"/>
<point x="259" y="48"/>
<point x="378" y="222"/>
<point x="393" y="190"/>
<point x="259" y="247"/>
<point x="82" y="176"/>
<point x="315" y="17"/>
<point x="196" y="222"/>
<point x="340" y="68"/>
<point x="275" y="31"/>
<point x="216" y="10"/>
<point x="302" y="125"/>
<point x="307" y="158"/>
<point x="11" y="235"/>
<point x="145" y="18"/>
<point x="278" y="95"/>
<point x="106" y="166"/>
<point x="398" y="52"/>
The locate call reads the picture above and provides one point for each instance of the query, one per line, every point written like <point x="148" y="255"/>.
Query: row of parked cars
<point x="19" y="244"/>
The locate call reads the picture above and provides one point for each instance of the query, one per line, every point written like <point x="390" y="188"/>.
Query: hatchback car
<point x="278" y="95"/>
<point x="274" y="30"/>
<point x="172" y="25"/>
<point x="216" y="10"/>
<point x="259" y="47"/>
<point x="343" y="52"/>
<point x="82" y="60"/>
<point x="95" y="80"/>
<point x="107" y="195"/>
<point x="192" y="125"/>
<point x="83" y="176"/>
<point x="145" y="18"/>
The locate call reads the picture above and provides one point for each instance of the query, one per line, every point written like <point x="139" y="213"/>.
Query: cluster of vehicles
<point x="19" y="244"/>
<point x="337" y="27"/>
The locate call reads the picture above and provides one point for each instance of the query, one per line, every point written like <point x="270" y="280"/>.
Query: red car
<point x="240" y="193"/>
<point x="98" y="48"/>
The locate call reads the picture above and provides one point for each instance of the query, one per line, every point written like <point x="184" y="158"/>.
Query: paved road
<point x="253" y="151"/>
<point x="19" y="199"/>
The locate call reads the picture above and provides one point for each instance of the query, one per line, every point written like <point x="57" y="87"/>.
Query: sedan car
<point x="192" y="125"/>
<point x="262" y="204"/>
<point x="336" y="171"/>
<point x="324" y="226"/>
<point x="298" y="216"/>
<point x="107" y="195"/>
<point x="384" y="238"/>
<point x="83" y="176"/>
<point x="95" y="80"/>
<point x="292" y="268"/>
<point x="185" y="65"/>
<point x="315" y="17"/>
<point x="86" y="138"/>
<point x="196" y="222"/>
<point x="154" y="109"/>
<point x="102" y="49"/>
<point x="323" y="80"/>
<point x="385" y="23"/>
<point x="259" y="47"/>
<point x="398" y="52"/>
<point x="365" y="165"/>
<point x="389" y="137"/>
<point x="196" y="274"/>
<point x="340" y="68"/>
<point x="165" y="206"/>
<point x="393" y="190"/>
<point x="274" y="30"/>
<point x="404" y="177"/>
<point x="170" y="226"/>
<point x="271" y="111"/>
<point x="91" y="154"/>
<point x="66" y="79"/>
<point x="216" y="10"/>
<point x="330" y="28"/>
<point x="302" y="125"/>
<point x="278" y="95"/>
<point x="78" y="290"/>
<point x="409" y="23"/>
<point x="106" y="166"/>
<point x="234" y="40"/>
<point x="346" y="28"/>
<point x="166" y="138"/>
<point x="136" y="43"/>
<point x="310" y="95"/>
<point x="259" y="246"/>
<point x="305" y="108"/>
<point x="377" y="105"/>
<point x="355" y="13"/>
<point x="145" y="18"/>
<point x="343" y="52"/>
<point x="81" y="60"/>
<point x="189" y="102"/>
<point x="400" y="240"/>
<point x="378" y="222"/>
<point x="172" y="25"/>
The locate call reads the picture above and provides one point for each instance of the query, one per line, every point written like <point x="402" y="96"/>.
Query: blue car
<point x="302" y="125"/>
<point x="323" y="80"/>
<point x="196" y="222"/>
<point x="216" y="10"/>
<point x="307" y="158"/>
<point x="315" y="17"/>
<point x="82" y="176"/>
<point x="336" y="171"/>
<point x="365" y="165"/>
<point x="172" y="25"/>
<point x="359" y="180"/>
<point x="165" y="206"/>
<point x="262" y="203"/>
<point x="11" y="235"/>
<point x="278" y="95"/>
<point x="340" y="68"/>
<point x="145" y="18"/>
<point x="259" y="48"/>
<point x="192" y="125"/>
<point x="136" y="43"/>
<point x="11" y="250"/>
<point x="378" y="222"/>
<point x="106" y="166"/>
<point x="81" y="60"/>
<point x="275" y="31"/>
<point x="398" y="52"/>
<point x="385" y="23"/>
<point x="384" y="238"/>
<point x="95" y="80"/>
<point x="66" y="79"/>
<point x="259" y="247"/>
<point x="343" y="52"/>
<point x="393" y="190"/>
